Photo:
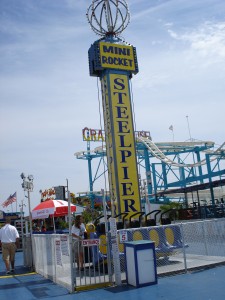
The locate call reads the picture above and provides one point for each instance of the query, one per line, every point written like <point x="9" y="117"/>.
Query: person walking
<point x="9" y="241"/>
<point x="78" y="230"/>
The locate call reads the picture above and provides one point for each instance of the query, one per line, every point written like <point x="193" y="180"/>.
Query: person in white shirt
<point x="78" y="230"/>
<point x="9" y="241"/>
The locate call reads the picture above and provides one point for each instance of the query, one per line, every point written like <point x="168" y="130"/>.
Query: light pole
<point x="28" y="186"/>
<point x="21" y="221"/>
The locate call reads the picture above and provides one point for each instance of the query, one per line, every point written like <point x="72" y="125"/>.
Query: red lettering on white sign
<point x="89" y="243"/>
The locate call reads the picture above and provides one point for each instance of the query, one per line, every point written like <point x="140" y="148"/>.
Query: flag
<point x="10" y="200"/>
<point x="171" y="127"/>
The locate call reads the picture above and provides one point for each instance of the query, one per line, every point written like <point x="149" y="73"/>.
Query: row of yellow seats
<point x="166" y="239"/>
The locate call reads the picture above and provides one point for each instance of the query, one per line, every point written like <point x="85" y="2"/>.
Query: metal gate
<point x="91" y="263"/>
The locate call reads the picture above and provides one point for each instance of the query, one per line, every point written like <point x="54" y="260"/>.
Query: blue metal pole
<point x="154" y="180"/>
<point x="89" y="158"/>
<point x="199" y="167"/>
<point x="148" y="173"/>
<point x="209" y="171"/>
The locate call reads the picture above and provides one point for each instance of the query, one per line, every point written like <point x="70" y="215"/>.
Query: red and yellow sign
<point x="93" y="135"/>
<point x="98" y="135"/>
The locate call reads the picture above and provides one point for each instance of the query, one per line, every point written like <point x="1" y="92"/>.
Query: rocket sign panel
<point x="120" y="57"/>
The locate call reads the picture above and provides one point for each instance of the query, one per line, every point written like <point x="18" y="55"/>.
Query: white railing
<point x="179" y="248"/>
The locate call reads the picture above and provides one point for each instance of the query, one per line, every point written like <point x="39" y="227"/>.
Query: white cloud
<point x="208" y="40"/>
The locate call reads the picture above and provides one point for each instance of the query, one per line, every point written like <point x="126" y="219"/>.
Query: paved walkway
<point x="202" y="285"/>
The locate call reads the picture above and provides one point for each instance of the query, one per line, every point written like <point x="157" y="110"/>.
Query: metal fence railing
<point x="179" y="247"/>
<point x="52" y="258"/>
<point x="182" y="246"/>
<point x="56" y="259"/>
<point x="94" y="270"/>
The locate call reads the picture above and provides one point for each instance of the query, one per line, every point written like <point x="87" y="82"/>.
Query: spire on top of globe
<point x="108" y="17"/>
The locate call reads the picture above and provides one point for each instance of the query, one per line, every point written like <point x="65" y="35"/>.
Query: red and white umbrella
<point x="52" y="208"/>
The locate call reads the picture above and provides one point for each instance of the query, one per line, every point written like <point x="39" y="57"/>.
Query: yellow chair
<point x="170" y="235"/>
<point x="103" y="244"/>
<point x="154" y="236"/>
<point x="137" y="235"/>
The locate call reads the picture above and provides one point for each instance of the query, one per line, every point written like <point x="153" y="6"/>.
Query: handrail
<point x="125" y="215"/>
<point x="166" y="211"/>
<point x="139" y="212"/>
<point x="151" y="212"/>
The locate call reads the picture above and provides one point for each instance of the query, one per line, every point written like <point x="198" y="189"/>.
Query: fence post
<point x="115" y="251"/>
<point x="183" y="245"/>
<point x="108" y="237"/>
<point x="70" y="243"/>
<point x="204" y="237"/>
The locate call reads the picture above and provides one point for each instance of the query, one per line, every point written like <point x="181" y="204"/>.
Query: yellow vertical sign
<point x="125" y="162"/>
<point x="109" y="142"/>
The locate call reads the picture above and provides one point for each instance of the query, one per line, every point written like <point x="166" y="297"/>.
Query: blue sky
<point x="47" y="96"/>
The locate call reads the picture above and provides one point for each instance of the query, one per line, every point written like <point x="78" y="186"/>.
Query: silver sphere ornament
<point x="108" y="17"/>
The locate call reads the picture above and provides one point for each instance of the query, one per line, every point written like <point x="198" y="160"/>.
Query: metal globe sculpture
<point x="108" y="17"/>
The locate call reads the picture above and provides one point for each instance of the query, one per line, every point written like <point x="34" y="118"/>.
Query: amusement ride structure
<point x="161" y="171"/>
<point x="170" y="170"/>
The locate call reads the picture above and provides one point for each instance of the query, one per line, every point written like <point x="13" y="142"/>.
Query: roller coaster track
<point x="156" y="152"/>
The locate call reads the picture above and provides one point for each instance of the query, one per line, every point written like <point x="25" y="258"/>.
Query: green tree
<point x="173" y="215"/>
<point x="89" y="215"/>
